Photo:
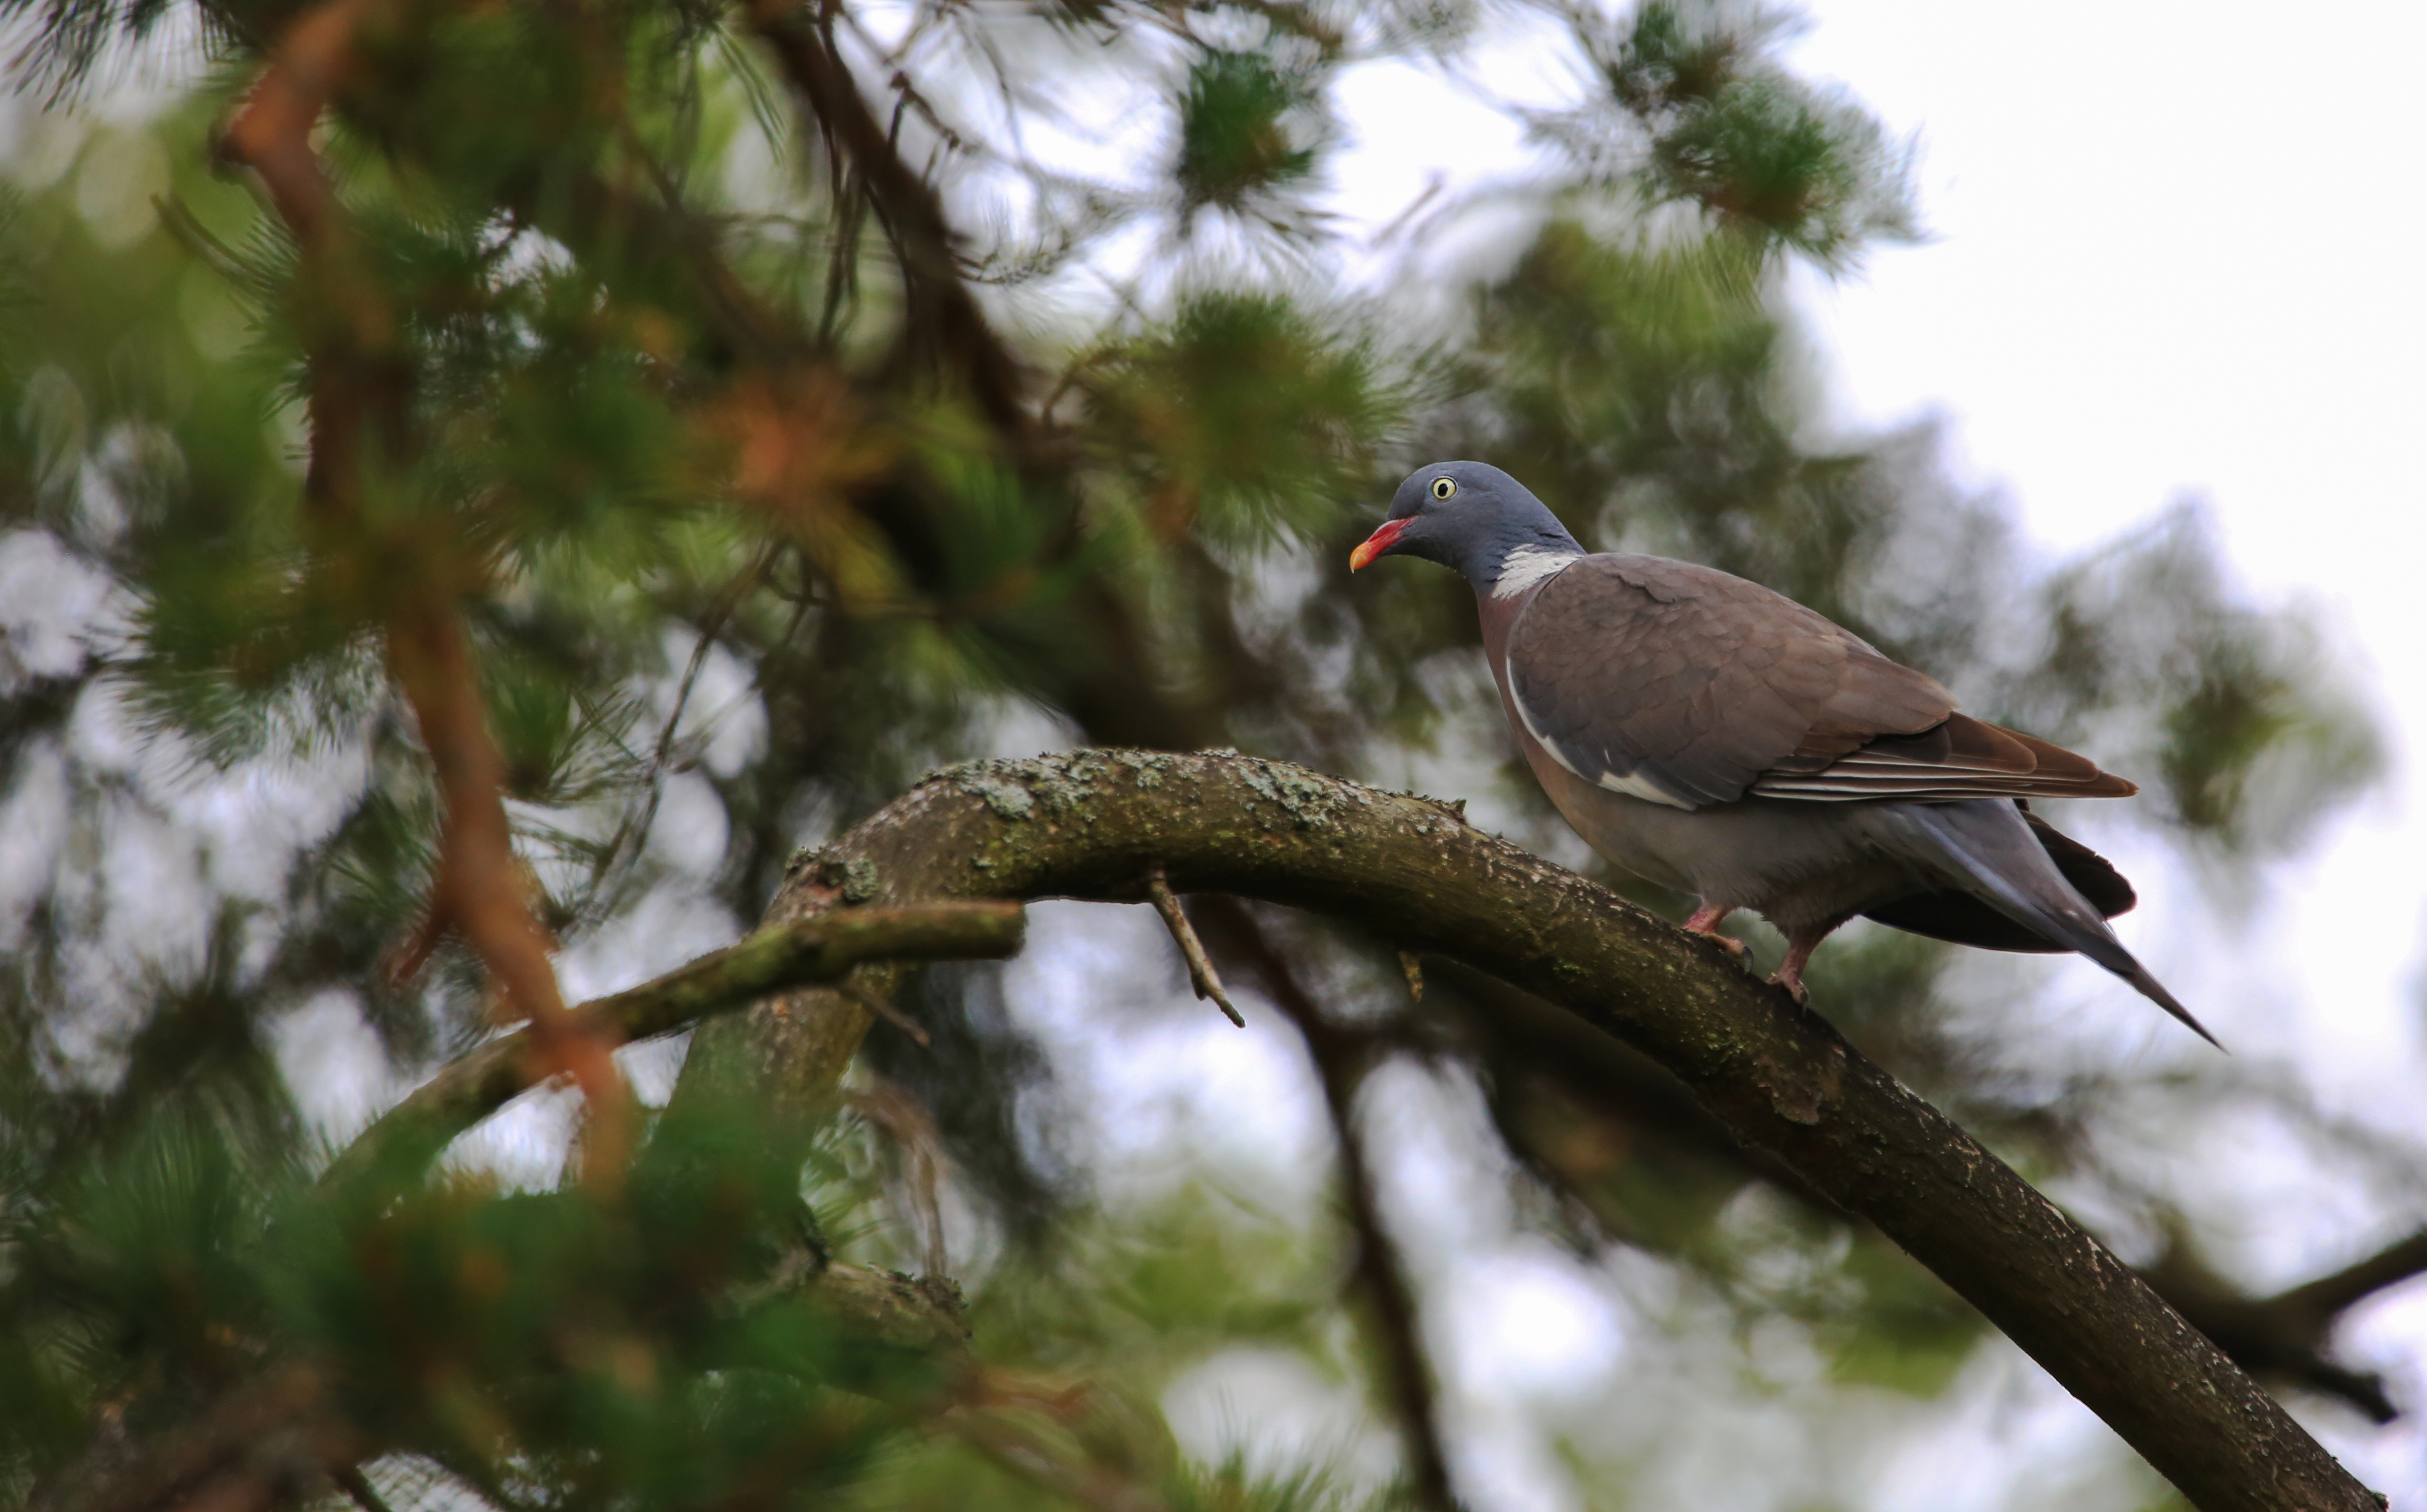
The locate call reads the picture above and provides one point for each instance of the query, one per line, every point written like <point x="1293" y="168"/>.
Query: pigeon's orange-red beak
<point x="1379" y="542"/>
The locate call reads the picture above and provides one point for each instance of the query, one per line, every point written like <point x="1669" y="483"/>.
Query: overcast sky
<point x="2175" y="255"/>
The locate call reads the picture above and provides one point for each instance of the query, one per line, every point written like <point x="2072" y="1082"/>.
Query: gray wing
<point x="1688" y="686"/>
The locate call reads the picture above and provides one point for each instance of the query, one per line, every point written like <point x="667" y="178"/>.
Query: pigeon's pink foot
<point x="1790" y="971"/>
<point x="1705" y="922"/>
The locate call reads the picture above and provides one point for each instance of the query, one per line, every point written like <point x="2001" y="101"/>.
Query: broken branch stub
<point x="1201" y="975"/>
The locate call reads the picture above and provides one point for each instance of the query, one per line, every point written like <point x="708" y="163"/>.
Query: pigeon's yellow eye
<point x="1444" y="487"/>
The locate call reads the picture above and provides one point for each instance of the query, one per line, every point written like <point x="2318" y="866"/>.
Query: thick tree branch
<point x="823" y="947"/>
<point x="1089" y="825"/>
<point x="2282" y="1338"/>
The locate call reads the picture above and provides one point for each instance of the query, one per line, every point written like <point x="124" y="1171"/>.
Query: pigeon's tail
<point x="1984" y="846"/>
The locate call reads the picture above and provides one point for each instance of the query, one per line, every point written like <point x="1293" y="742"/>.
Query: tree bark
<point x="781" y="955"/>
<point x="1092" y="825"/>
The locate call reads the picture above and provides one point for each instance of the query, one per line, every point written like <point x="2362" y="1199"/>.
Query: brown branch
<point x="357" y="387"/>
<point x="941" y="308"/>
<point x="2285" y="1337"/>
<point x="210" y="1461"/>
<point x="1087" y="825"/>
<point x="1068" y="1475"/>
<point x="2330" y="1294"/>
<point x="1341" y="1061"/>
<point x="823" y="947"/>
<point x="1201" y="975"/>
<point x="352" y="371"/>
<point x="480" y="886"/>
<point x="2282" y="1338"/>
<point x="358" y="1488"/>
<point x="272" y="132"/>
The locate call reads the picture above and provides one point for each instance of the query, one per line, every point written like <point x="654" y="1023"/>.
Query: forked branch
<point x="823" y="948"/>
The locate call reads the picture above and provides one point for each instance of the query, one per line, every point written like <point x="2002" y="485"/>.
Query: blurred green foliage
<point x="758" y="496"/>
<point x="1235" y="143"/>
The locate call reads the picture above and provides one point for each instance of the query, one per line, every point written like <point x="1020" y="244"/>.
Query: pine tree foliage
<point x="485" y="481"/>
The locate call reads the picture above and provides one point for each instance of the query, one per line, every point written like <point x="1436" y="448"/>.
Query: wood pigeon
<point x="1713" y="737"/>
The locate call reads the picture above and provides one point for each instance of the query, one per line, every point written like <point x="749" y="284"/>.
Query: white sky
<point x="2173" y="258"/>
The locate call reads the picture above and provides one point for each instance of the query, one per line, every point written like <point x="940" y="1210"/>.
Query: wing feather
<point x="1692" y="687"/>
<point x="1963" y="918"/>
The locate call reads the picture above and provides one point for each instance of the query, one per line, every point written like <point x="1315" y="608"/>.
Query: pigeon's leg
<point x="1801" y="943"/>
<point x="1705" y="922"/>
<point x="1790" y="971"/>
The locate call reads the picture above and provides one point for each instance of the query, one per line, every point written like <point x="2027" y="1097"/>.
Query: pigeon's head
<point x="1474" y="519"/>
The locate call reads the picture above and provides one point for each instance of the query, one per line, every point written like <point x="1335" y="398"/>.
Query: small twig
<point x="941" y="312"/>
<point x="350" y="1480"/>
<point x="899" y="1115"/>
<point x="1081" y="1479"/>
<point x="1200" y="967"/>
<point x="878" y="1003"/>
<point x="633" y="832"/>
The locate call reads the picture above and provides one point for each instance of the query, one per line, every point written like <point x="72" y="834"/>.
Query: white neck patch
<point x="1528" y="565"/>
